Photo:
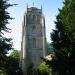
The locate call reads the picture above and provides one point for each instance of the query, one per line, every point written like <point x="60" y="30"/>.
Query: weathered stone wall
<point x="33" y="38"/>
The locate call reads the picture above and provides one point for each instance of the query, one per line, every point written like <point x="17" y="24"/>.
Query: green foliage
<point x="15" y="54"/>
<point x="3" y="72"/>
<point x="31" y="70"/>
<point x="63" y="38"/>
<point x="43" y="68"/>
<point x="6" y="63"/>
<point x="5" y="43"/>
<point x="4" y="16"/>
<point x="12" y="64"/>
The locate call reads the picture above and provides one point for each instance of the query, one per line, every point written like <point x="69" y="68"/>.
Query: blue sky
<point x="50" y="10"/>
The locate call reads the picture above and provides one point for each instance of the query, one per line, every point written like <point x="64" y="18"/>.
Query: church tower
<point x="33" y="45"/>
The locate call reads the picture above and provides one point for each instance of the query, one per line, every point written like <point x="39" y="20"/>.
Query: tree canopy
<point x="63" y="38"/>
<point x="5" y="43"/>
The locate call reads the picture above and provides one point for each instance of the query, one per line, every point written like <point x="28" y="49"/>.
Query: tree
<point x="69" y="25"/>
<point x="12" y="64"/>
<point x="43" y="69"/>
<point x="15" y="54"/>
<point x="5" y="43"/>
<point x="63" y="38"/>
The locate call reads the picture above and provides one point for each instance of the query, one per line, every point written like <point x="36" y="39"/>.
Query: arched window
<point x="39" y="18"/>
<point x="34" y="17"/>
<point x="28" y="18"/>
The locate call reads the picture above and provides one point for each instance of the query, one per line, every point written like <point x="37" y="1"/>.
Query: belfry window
<point x="34" y="17"/>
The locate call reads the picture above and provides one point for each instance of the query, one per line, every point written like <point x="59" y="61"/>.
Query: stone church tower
<point x="33" y="45"/>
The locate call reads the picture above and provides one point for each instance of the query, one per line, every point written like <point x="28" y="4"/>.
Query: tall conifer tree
<point x="63" y="38"/>
<point x="5" y="43"/>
